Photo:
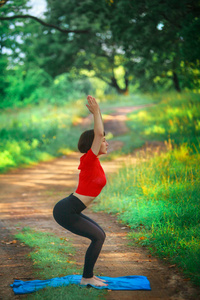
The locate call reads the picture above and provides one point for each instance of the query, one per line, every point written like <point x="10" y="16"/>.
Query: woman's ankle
<point x="87" y="278"/>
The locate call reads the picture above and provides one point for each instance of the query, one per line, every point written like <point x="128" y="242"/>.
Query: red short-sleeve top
<point x="91" y="177"/>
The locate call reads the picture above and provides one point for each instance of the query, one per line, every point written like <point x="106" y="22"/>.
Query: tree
<point x="158" y="35"/>
<point x="95" y="50"/>
<point x="15" y="26"/>
<point x="151" y="40"/>
<point x="15" y="16"/>
<point x="77" y="53"/>
<point x="10" y="33"/>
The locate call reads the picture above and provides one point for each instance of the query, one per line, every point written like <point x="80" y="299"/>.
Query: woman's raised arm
<point x="98" y="124"/>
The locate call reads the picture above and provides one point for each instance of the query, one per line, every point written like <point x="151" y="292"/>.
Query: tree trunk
<point x="117" y="87"/>
<point x="176" y="82"/>
<point x="126" y="84"/>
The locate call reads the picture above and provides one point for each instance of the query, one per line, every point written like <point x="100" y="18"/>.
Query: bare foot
<point x="99" y="279"/>
<point x="93" y="281"/>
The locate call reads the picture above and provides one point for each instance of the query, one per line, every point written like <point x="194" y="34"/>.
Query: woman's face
<point x="104" y="147"/>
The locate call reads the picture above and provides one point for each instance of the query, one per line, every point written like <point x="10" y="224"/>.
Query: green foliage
<point x="25" y="87"/>
<point x="175" y="117"/>
<point x="3" y="81"/>
<point x="155" y="44"/>
<point x="55" y="254"/>
<point x="65" y="88"/>
<point x="171" y="116"/>
<point x="10" y="44"/>
<point x="38" y="133"/>
<point x="34" y="85"/>
<point x="163" y="34"/>
<point x="77" y="52"/>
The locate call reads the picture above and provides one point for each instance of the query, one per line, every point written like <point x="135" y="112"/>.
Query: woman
<point x="67" y="212"/>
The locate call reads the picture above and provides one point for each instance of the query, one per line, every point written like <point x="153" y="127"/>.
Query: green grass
<point x="131" y="100"/>
<point x="52" y="256"/>
<point x="38" y="133"/>
<point x="176" y="116"/>
<point x="112" y="101"/>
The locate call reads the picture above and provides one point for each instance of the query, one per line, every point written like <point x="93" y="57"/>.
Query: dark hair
<point x="86" y="140"/>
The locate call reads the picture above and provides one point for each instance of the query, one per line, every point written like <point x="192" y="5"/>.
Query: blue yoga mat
<point x="114" y="283"/>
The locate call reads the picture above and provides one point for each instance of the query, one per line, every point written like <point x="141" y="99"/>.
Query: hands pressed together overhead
<point x="92" y="105"/>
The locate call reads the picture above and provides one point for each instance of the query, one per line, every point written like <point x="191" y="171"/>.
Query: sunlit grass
<point x="175" y="117"/>
<point x="159" y="199"/>
<point x="38" y="133"/>
<point x="53" y="256"/>
<point x="170" y="116"/>
<point x="109" y="101"/>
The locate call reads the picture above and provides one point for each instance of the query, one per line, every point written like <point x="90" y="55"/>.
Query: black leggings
<point x="67" y="213"/>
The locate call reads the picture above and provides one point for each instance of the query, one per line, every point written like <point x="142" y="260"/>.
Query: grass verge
<point x="159" y="200"/>
<point x="38" y="133"/>
<point x="175" y="116"/>
<point x="52" y="256"/>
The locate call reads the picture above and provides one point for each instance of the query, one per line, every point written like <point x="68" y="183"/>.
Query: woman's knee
<point x="99" y="236"/>
<point x="102" y="236"/>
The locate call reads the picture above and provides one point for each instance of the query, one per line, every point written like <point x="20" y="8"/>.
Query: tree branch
<point x="43" y="23"/>
<point x="2" y="2"/>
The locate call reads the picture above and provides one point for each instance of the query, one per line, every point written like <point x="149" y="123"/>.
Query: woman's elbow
<point x="99" y="133"/>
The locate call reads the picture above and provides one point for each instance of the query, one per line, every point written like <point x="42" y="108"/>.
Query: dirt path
<point x="27" y="199"/>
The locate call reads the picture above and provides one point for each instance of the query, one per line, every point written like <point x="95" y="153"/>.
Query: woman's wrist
<point x="97" y="112"/>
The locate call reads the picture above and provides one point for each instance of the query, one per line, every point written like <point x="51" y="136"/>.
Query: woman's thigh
<point x="84" y="227"/>
<point x="92" y="221"/>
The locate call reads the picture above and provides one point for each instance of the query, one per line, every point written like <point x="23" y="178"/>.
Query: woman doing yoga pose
<point x="67" y="212"/>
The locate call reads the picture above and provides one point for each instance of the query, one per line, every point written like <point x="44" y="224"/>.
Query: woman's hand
<point x="92" y="105"/>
